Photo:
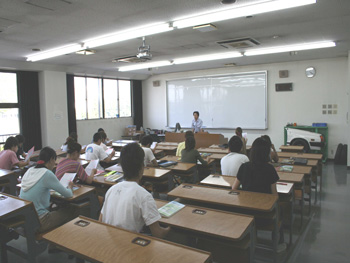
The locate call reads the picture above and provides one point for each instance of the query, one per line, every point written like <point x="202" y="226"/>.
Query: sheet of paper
<point x="244" y="135"/>
<point x="66" y="178"/>
<point x="154" y="145"/>
<point x="109" y="141"/>
<point x="92" y="165"/>
<point x="29" y="154"/>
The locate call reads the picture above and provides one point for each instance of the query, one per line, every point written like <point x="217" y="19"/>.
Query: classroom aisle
<point x="327" y="236"/>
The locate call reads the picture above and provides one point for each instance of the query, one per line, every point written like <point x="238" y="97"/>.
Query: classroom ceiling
<point x="46" y="24"/>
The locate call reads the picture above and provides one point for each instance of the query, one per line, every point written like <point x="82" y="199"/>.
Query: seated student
<point x="190" y="154"/>
<point x="107" y="139"/>
<point x="72" y="165"/>
<point x="239" y="133"/>
<point x="273" y="153"/>
<point x="94" y="151"/>
<point x="146" y="143"/>
<point x="8" y="157"/>
<point x="181" y="145"/>
<point x="36" y="185"/>
<point x="127" y="204"/>
<point x="73" y="137"/>
<point x="231" y="162"/>
<point x="103" y="140"/>
<point x="20" y="152"/>
<point x="259" y="176"/>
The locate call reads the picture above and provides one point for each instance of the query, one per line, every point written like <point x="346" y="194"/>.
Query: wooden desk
<point x="148" y="172"/>
<point x="213" y="150"/>
<point x="256" y="202"/>
<point x="167" y="144"/>
<point x="10" y="177"/>
<point x="226" y="181"/>
<point x="300" y="169"/>
<point x="312" y="156"/>
<point x="310" y="162"/>
<point x="36" y="154"/>
<point x="292" y="148"/>
<point x="202" y="139"/>
<point x="16" y="212"/>
<point x="99" y="242"/>
<point x="225" y="227"/>
<point x="168" y="150"/>
<point x="83" y="193"/>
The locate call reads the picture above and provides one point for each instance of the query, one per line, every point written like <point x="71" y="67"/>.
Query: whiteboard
<point x="223" y="102"/>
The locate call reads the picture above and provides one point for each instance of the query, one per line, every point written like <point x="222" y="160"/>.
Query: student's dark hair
<point x="146" y="140"/>
<point x="46" y="154"/>
<point x="196" y="112"/>
<point x="190" y="143"/>
<point x="189" y="134"/>
<point x="100" y="129"/>
<point x="10" y="142"/>
<point x="235" y="144"/>
<point x="73" y="147"/>
<point x="74" y="135"/>
<point x="267" y="138"/>
<point x="20" y="138"/>
<point x="239" y="131"/>
<point x="260" y="152"/>
<point x="69" y="140"/>
<point x="132" y="160"/>
<point x="97" y="136"/>
<point x="103" y="135"/>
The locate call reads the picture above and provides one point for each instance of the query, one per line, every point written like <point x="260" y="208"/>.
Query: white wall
<point x="113" y="127"/>
<point x="53" y="107"/>
<point x="303" y="105"/>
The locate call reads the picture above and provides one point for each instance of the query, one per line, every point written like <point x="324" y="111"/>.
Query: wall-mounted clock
<point x="310" y="72"/>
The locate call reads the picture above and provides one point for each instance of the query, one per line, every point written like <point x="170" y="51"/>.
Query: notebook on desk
<point x="167" y="163"/>
<point x="300" y="161"/>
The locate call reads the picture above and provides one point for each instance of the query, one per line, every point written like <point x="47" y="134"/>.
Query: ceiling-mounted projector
<point x="144" y="51"/>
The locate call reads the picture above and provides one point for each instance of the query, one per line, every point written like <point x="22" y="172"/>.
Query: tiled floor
<point x="325" y="237"/>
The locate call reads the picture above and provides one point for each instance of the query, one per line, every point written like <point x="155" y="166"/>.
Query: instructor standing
<point x="196" y="122"/>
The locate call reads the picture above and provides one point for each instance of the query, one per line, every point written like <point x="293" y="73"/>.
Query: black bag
<point x="337" y="157"/>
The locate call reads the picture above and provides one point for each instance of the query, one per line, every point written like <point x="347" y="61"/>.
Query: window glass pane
<point x="9" y="117"/>
<point x="110" y="94"/>
<point x="94" y="98"/>
<point x="125" y="98"/>
<point x="80" y="98"/>
<point x="8" y="87"/>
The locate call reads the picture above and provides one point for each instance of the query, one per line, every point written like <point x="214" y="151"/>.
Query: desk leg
<point x="13" y="182"/>
<point x="94" y="205"/>
<point x="275" y="236"/>
<point x="252" y="243"/>
<point x="3" y="240"/>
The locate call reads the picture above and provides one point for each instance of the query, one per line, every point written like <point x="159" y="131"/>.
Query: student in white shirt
<point x="150" y="160"/>
<point x="94" y="151"/>
<point x="127" y="204"/>
<point x="230" y="163"/>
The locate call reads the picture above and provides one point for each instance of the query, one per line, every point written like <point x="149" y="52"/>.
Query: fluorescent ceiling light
<point x="128" y="34"/>
<point x="208" y="57"/>
<point x="146" y="65"/>
<point x="243" y="11"/>
<point x="289" y="48"/>
<point x="54" y="52"/>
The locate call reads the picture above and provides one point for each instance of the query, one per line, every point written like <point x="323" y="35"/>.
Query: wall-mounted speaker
<point x="156" y="83"/>
<point x="284" y="87"/>
<point x="283" y="74"/>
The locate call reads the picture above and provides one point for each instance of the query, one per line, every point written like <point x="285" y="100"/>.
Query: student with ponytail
<point x="72" y="164"/>
<point x="36" y="185"/>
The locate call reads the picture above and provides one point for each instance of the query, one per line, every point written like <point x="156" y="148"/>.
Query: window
<point x="97" y="98"/>
<point x="9" y="106"/>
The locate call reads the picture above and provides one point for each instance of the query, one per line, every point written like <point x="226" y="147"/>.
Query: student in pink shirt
<point x="8" y="157"/>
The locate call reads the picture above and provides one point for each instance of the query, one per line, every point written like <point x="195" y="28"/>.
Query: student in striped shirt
<point x="72" y="165"/>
